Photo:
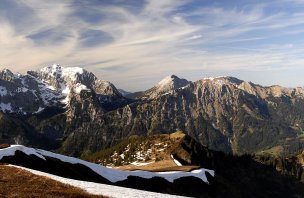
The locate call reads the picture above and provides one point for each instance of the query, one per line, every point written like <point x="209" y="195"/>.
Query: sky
<point x="136" y="43"/>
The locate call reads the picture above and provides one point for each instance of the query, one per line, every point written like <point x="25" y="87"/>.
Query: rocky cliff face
<point x="216" y="112"/>
<point x="222" y="113"/>
<point x="24" y="94"/>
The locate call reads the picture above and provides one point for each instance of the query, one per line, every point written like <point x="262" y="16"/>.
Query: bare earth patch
<point x="16" y="182"/>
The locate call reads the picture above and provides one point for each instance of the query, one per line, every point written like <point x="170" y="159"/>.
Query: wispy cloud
<point x="125" y="41"/>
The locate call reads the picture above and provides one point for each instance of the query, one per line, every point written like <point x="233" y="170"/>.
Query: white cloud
<point x="158" y="39"/>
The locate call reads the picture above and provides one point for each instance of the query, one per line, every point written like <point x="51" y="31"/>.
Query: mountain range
<point x="73" y="112"/>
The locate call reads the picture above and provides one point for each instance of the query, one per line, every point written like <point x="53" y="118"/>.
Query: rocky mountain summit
<point x="50" y="86"/>
<point x="167" y="85"/>
<point x="69" y="109"/>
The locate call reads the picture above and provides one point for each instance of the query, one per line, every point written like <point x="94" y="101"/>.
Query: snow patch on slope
<point x="6" y="107"/>
<point x="166" y="82"/>
<point x="166" y="86"/>
<point x="3" y="91"/>
<point x="79" y="87"/>
<point x="176" y="161"/>
<point x="58" y="71"/>
<point x="140" y="163"/>
<point x="218" y="81"/>
<point x="39" y="110"/>
<point x="67" y="78"/>
<point x="110" y="174"/>
<point x="214" y="78"/>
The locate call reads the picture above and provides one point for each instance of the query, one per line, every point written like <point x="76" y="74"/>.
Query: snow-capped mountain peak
<point x="6" y="74"/>
<point x="65" y="80"/>
<point x="172" y="81"/>
<point x="167" y="80"/>
<point x="50" y="86"/>
<point x="167" y="84"/>
<point x="59" y="71"/>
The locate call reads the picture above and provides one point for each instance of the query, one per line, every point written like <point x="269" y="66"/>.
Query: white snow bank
<point x="141" y="163"/>
<point x="101" y="189"/>
<point x="176" y="161"/>
<point x="110" y="174"/>
<point x="10" y="151"/>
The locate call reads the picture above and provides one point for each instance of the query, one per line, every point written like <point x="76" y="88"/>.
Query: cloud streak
<point x="124" y="42"/>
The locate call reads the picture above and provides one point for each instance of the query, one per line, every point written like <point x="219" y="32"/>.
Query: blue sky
<point x="134" y="43"/>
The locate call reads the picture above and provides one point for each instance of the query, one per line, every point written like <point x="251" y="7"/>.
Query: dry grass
<point x="177" y="135"/>
<point x="153" y="148"/>
<point x="275" y="151"/>
<point x="16" y="182"/>
<point x="161" y="146"/>
<point x="2" y="146"/>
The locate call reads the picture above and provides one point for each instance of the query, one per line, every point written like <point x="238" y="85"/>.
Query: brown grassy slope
<point x="155" y="150"/>
<point x="16" y="182"/>
<point x="2" y="146"/>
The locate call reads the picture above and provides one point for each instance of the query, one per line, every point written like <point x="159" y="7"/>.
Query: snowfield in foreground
<point x="101" y="189"/>
<point x="108" y="173"/>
